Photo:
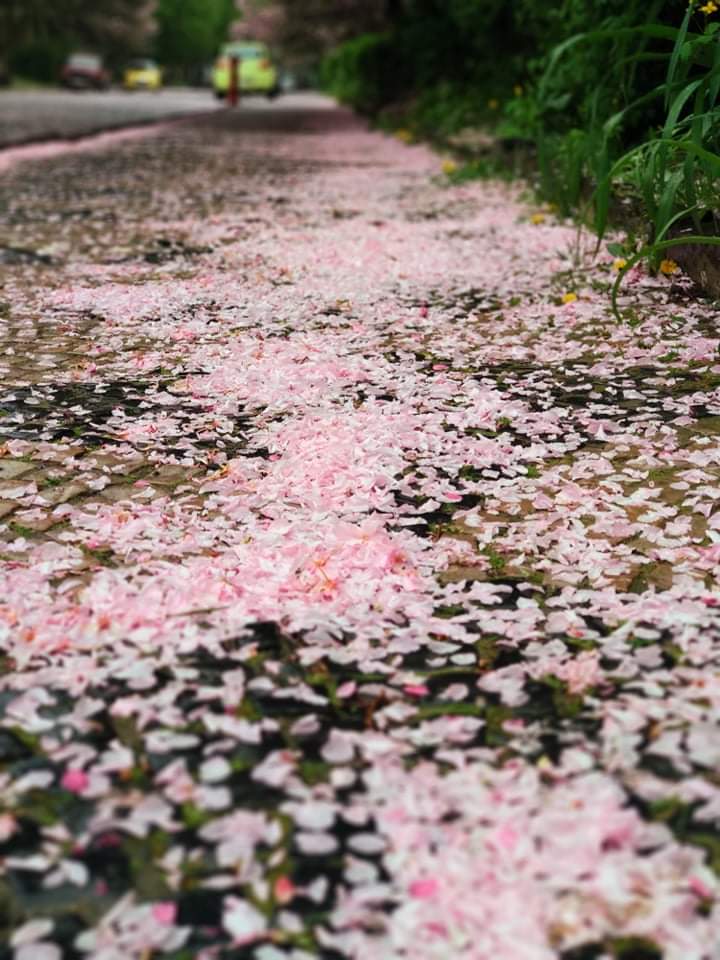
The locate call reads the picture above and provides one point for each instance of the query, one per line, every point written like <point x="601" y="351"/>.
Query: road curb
<point x="26" y="149"/>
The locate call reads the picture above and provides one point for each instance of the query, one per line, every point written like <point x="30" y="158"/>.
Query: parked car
<point x="257" y="74"/>
<point x="85" y="71"/>
<point x="142" y="74"/>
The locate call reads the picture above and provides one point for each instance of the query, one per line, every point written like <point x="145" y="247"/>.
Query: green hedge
<point x="40" y="60"/>
<point x="363" y="72"/>
<point x="457" y="55"/>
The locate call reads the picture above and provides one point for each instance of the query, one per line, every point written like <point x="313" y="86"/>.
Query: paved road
<point x="48" y="114"/>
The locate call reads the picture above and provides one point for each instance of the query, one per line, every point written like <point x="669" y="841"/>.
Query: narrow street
<point x="36" y="115"/>
<point x="358" y="581"/>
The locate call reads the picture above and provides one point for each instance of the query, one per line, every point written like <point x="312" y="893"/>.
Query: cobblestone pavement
<point x="28" y="115"/>
<point x="358" y="569"/>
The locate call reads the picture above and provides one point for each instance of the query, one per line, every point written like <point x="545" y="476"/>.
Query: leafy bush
<point x="363" y="72"/>
<point x="40" y="59"/>
<point x="669" y="166"/>
<point x="439" y="54"/>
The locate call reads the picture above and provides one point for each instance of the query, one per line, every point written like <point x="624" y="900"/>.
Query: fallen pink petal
<point x="359" y="527"/>
<point x="76" y="781"/>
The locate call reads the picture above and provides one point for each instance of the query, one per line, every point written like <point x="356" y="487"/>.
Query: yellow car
<point x="142" y="75"/>
<point x="257" y="73"/>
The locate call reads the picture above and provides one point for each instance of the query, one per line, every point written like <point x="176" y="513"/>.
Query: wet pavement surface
<point x="358" y="569"/>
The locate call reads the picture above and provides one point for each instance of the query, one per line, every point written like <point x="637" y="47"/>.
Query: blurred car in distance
<point x="142" y="74"/>
<point x="84" y="71"/>
<point x="257" y="73"/>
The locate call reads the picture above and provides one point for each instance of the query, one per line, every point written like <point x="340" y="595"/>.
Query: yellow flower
<point x="568" y="297"/>
<point x="668" y="267"/>
<point x="518" y="90"/>
<point x="619" y="264"/>
<point x="493" y="103"/>
<point x="709" y="8"/>
<point x="537" y="218"/>
<point x="449" y="167"/>
<point x="406" y="136"/>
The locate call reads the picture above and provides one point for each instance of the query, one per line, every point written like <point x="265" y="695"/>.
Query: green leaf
<point x="675" y="57"/>
<point x="677" y="104"/>
<point x="314" y="771"/>
<point x="193" y="816"/>
<point x="635" y="948"/>
<point x="663" y="217"/>
<point x="450" y="710"/>
<point x="674" y="219"/>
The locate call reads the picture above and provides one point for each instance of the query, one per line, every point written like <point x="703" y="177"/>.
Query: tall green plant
<point x="674" y="171"/>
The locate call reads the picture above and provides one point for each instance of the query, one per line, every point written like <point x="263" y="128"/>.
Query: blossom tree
<point x="299" y="28"/>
